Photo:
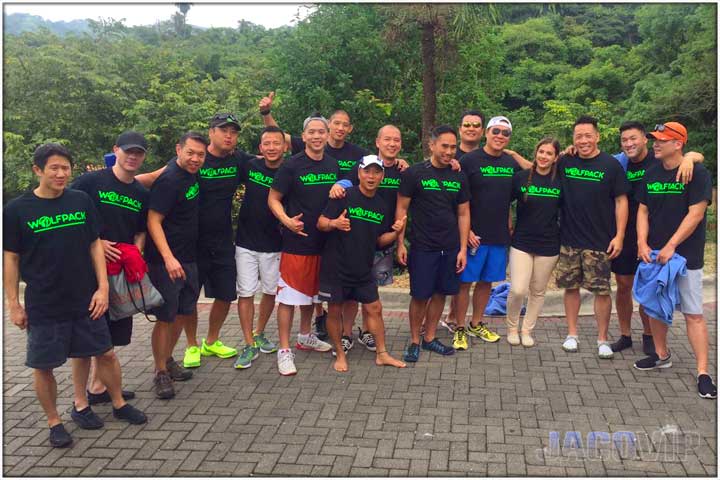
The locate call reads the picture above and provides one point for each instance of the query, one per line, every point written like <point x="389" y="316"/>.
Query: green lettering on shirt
<point x="193" y="191"/>
<point x="635" y="176"/>
<point x="260" y="178"/>
<point x="583" y="174"/>
<point x="534" y="191"/>
<point x="493" y="171"/>
<point x="118" y="200"/>
<point x="318" y="179"/>
<point x="60" y="220"/>
<point x="430" y="184"/>
<point x="210" y="173"/>
<point x="665" y="188"/>
<point x="346" y="164"/>
<point x="390" y="183"/>
<point x="451" y="186"/>
<point x="360" y="213"/>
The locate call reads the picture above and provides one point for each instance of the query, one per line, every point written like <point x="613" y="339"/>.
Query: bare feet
<point x="340" y="364"/>
<point x="384" y="358"/>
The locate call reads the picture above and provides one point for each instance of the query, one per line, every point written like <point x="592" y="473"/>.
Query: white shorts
<point x="289" y="296"/>
<point x="255" y="268"/>
<point x="691" y="289"/>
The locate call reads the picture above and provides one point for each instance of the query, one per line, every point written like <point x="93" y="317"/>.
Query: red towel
<point x="131" y="261"/>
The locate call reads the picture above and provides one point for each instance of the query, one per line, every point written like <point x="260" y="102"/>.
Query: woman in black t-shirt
<point x="536" y="239"/>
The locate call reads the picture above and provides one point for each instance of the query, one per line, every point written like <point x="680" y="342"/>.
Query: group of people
<point x="325" y="225"/>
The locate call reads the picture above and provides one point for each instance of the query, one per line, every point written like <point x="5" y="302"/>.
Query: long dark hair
<point x="544" y="141"/>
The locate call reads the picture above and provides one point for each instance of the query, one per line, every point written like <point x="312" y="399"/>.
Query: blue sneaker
<point x="412" y="353"/>
<point x="437" y="347"/>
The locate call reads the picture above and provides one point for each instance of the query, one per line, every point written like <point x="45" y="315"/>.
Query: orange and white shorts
<point x="299" y="279"/>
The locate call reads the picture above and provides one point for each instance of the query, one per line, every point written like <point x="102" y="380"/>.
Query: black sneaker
<point x="130" y="414"/>
<point x="177" y="372"/>
<point x="367" y="339"/>
<point x="59" y="437"/>
<point x="706" y="387"/>
<point x="163" y="384"/>
<point x="652" y="362"/>
<point x="104" y="397"/>
<point x="648" y="344"/>
<point x="622" y="343"/>
<point x="346" y="343"/>
<point x="320" y="327"/>
<point x="436" y="346"/>
<point x="86" y="418"/>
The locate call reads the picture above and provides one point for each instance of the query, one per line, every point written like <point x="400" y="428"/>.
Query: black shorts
<point x="338" y="294"/>
<point x="217" y="276"/>
<point x="433" y="273"/>
<point x="180" y="295"/>
<point x="627" y="262"/>
<point x="51" y="342"/>
<point x="120" y="331"/>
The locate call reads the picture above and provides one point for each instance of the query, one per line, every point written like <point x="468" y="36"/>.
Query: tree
<point x="179" y="19"/>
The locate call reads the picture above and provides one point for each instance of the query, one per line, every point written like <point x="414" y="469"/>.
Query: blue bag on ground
<point x="497" y="303"/>
<point x="655" y="286"/>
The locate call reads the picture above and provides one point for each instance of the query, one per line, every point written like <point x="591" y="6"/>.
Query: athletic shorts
<point x="433" y="273"/>
<point x="217" y="276"/>
<point x="180" y="295"/>
<point x="120" y="331"/>
<point x="589" y="269"/>
<point x="51" y="342"/>
<point x="338" y="294"/>
<point x="627" y="262"/>
<point x="256" y="269"/>
<point x="487" y="265"/>
<point x="382" y="270"/>
<point x="691" y="292"/>
<point x="299" y="279"/>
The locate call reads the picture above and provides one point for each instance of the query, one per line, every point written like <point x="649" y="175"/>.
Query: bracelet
<point x="265" y="112"/>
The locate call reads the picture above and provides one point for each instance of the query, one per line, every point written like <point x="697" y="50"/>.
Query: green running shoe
<point x="192" y="357"/>
<point x="247" y="355"/>
<point x="217" y="349"/>
<point x="265" y="345"/>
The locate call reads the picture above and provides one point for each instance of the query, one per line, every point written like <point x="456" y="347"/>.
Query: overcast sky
<point x="200" y="14"/>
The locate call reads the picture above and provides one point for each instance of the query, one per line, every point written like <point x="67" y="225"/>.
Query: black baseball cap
<point x="222" y="119"/>
<point x="128" y="140"/>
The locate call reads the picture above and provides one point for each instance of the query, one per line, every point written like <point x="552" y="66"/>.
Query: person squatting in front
<point x="356" y="223"/>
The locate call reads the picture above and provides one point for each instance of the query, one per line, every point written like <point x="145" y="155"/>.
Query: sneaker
<point x="481" y="331"/>
<point x="247" y="355"/>
<point x="460" y="341"/>
<point x="311" y="342"/>
<point x="192" y="357"/>
<point x="512" y="337"/>
<point x="570" y="344"/>
<point x="104" y="397"/>
<point x="367" y="339"/>
<point x="604" y="350"/>
<point x="412" y="353"/>
<point x="706" y="387"/>
<point x="436" y="346"/>
<point x="320" y="326"/>
<point x="346" y="343"/>
<point x="622" y="343"/>
<point x="451" y="326"/>
<point x="163" y="384"/>
<point x="177" y="372"/>
<point x="651" y="362"/>
<point x="217" y="349"/>
<point x="59" y="437"/>
<point x="263" y="344"/>
<point x="130" y="414"/>
<point x="648" y="344"/>
<point x="86" y="418"/>
<point x="286" y="362"/>
<point x="527" y="340"/>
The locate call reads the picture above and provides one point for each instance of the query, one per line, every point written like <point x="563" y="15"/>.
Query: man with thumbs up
<point x="297" y="197"/>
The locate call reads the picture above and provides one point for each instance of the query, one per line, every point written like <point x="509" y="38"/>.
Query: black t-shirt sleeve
<point x="283" y="179"/>
<point x="11" y="230"/>
<point x="296" y="144"/>
<point x="407" y="183"/>
<point x="464" y="194"/>
<point x="621" y="185"/>
<point x="387" y="222"/>
<point x="93" y="218"/>
<point x="700" y="189"/>
<point x="353" y="175"/>
<point x="82" y="183"/>
<point x="243" y="171"/>
<point x="163" y="195"/>
<point x="334" y="208"/>
<point x="516" y="186"/>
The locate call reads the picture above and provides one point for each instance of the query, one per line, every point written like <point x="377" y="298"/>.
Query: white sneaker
<point x="286" y="362"/>
<point x="570" y="344"/>
<point x="312" y="342"/>
<point x="604" y="350"/>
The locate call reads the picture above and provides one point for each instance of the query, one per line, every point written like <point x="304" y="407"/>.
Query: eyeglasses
<point x="504" y="133"/>
<point x="663" y="127"/>
<point x="472" y="124"/>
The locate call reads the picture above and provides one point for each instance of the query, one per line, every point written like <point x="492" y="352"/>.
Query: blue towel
<point x="655" y="286"/>
<point x="623" y="159"/>
<point x="497" y="303"/>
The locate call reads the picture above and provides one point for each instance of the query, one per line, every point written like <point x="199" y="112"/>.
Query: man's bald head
<point x="389" y="127"/>
<point x="389" y="142"/>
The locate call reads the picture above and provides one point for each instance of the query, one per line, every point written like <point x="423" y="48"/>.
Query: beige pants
<point x="529" y="274"/>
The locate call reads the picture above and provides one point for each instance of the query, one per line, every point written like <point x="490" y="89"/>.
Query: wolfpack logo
<point x="664" y="188"/>
<point x="492" y="171"/>
<point x="318" y="178"/>
<point x="534" y="191"/>
<point x="193" y="191"/>
<point x="260" y="178"/>
<point x="390" y="183"/>
<point x="430" y="184"/>
<point x="210" y="173"/>
<point x="582" y="174"/>
<point x="60" y="220"/>
<point x="123" y="201"/>
<point x="346" y="164"/>
<point x="635" y="176"/>
<point x="365" y="215"/>
<point x="451" y="186"/>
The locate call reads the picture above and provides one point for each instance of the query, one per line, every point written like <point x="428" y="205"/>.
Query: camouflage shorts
<point x="589" y="269"/>
<point x="383" y="264"/>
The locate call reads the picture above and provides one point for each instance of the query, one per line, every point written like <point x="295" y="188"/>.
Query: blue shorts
<point x="433" y="272"/>
<point x="487" y="265"/>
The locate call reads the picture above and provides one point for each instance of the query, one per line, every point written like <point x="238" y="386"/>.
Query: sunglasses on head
<point x="472" y="124"/>
<point x="498" y="131"/>
<point x="662" y="128"/>
<point x="229" y="117"/>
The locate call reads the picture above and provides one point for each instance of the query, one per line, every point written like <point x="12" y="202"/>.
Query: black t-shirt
<point x="305" y="184"/>
<point x="537" y="230"/>
<point x="635" y="174"/>
<point x="668" y="202"/>
<point x="589" y="186"/>
<point x="387" y="190"/>
<point x="219" y="180"/>
<point x="436" y="194"/>
<point x="122" y="206"/>
<point x="175" y="195"/>
<point x="257" y="228"/>
<point x="53" y="238"/>
<point x="348" y="256"/>
<point x="347" y="156"/>
<point x="490" y="181"/>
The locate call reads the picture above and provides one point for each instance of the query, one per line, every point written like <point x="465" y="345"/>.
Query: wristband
<point x="265" y="112"/>
<point x="345" y="183"/>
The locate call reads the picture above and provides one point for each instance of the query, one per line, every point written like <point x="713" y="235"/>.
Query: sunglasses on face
<point x="504" y="133"/>
<point x="662" y="128"/>
<point x="472" y="124"/>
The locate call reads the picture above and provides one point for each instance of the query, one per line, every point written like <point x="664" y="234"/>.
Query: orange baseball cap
<point x="669" y="131"/>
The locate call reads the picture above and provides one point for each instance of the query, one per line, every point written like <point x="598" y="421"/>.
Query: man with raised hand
<point x="297" y="197"/>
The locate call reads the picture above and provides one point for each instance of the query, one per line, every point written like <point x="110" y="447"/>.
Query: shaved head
<point x="389" y="127"/>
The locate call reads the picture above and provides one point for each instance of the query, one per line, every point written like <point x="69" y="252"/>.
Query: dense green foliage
<point x="542" y="66"/>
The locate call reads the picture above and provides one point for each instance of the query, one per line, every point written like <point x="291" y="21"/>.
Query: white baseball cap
<point x="499" y="122"/>
<point x="368" y="160"/>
